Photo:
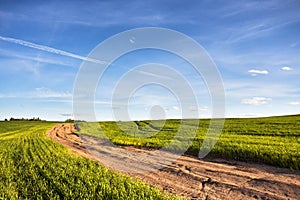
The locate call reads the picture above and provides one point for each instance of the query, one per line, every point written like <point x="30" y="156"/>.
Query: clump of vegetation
<point x="32" y="166"/>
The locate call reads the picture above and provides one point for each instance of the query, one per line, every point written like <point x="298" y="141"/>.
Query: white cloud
<point x="256" y="101"/>
<point x="49" y="49"/>
<point x="286" y="68"/>
<point x="256" y="71"/>
<point x="175" y="108"/>
<point x="295" y="103"/>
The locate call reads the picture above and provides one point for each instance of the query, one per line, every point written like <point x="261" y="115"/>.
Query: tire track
<point x="191" y="177"/>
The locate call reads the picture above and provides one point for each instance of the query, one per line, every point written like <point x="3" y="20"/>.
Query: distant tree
<point x="5" y="120"/>
<point x="70" y="120"/>
<point x="34" y="119"/>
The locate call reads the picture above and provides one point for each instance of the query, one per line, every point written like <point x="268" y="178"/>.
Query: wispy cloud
<point x="247" y="115"/>
<point x="175" y="107"/>
<point x="256" y="101"/>
<point x="49" y="49"/>
<point x="3" y="96"/>
<point x="66" y="114"/>
<point x="295" y="44"/>
<point x="241" y="7"/>
<point x="47" y="93"/>
<point x="23" y="56"/>
<point x="260" y="29"/>
<point x="41" y="93"/>
<point x="253" y="27"/>
<point x="154" y="75"/>
<point x="67" y="101"/>
<point x="294" y="103"/>
<point x="286" y="68"/>
<point x="196" y="108"/>
<point x="254" y="72"/>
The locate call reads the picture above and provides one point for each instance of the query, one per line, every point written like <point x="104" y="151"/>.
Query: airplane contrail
<point x="49" y="49"/>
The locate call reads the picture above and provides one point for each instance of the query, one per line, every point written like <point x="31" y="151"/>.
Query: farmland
<point x="187" y="176"/>
<point x="32" y="166"/>
<point x="273" y="140"/>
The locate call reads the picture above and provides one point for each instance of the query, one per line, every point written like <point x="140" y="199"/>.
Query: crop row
<point x="32" y="166"/>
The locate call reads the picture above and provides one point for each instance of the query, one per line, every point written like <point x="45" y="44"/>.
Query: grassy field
<point x="273" y="140"/>
<point x="32" y="166"/>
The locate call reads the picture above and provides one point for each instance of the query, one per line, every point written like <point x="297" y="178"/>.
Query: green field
<point x="32" y="166"/>
<point x="273" y="140"/>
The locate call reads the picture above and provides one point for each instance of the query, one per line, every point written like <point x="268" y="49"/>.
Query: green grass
<point x="32" y="166"/>
<point x="274" y="140"/>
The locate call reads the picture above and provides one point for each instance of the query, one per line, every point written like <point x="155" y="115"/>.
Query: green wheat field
<point x="34" y="166"/>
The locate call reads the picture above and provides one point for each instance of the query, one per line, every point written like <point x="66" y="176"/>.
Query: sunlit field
<point x="32" y="166"/>
<point x="273" y="140"/>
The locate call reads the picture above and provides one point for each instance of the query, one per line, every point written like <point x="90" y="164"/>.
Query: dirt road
<point x="189" y="176"/>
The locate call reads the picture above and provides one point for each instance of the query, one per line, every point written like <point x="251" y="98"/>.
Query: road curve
<point x="191" y="177"/>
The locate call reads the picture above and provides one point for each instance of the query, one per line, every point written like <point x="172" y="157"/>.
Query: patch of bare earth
<point x="191" y="177"/>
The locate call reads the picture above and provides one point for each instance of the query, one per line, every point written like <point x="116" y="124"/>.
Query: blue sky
<point x="255" y="45"/>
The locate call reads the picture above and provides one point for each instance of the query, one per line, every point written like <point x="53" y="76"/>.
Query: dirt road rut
<point x="194" y="178"/>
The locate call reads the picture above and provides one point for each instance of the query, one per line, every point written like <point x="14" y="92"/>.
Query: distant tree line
<point x="24" y="119"/>
<point x="37" y="119"/>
